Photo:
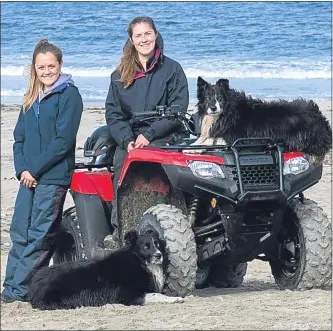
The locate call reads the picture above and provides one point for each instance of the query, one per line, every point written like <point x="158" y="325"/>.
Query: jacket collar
<point x="57" y="89"/>
<point x="153" y="63"/>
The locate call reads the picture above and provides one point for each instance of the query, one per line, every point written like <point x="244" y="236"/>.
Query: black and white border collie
<point x="210" y="105"/>
<point x="299" y="123"/>
<point x="125" y="276"/>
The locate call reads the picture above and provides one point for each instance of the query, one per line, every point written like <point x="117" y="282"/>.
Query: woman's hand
<point x="141" y="141"/>
<point x="130" y="146"/>
<point x="28" y="180"/>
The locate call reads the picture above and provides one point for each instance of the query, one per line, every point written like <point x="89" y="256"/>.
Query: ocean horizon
<point x="271" y="50"/>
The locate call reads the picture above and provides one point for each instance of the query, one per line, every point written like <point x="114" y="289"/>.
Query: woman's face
<point x="144" y="39"/>
<point x="47" y="68"/>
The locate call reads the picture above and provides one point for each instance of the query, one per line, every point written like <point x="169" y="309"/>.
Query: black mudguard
<point x="94" y="221"/>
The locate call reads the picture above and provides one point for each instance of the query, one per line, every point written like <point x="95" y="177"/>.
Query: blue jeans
<point x="36" y="220"/>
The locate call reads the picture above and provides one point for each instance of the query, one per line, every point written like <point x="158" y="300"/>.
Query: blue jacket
<point x="45" y="136"/>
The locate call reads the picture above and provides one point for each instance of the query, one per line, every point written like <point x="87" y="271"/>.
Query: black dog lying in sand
<point x="298" y="123"/>
<point x="125" y="276"/>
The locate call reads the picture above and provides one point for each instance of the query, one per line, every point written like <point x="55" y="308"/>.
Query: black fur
<point x="121" y="277"/>
<point x="298" y="123"/>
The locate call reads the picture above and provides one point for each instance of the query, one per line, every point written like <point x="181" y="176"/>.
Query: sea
<point x="270" y="50"/>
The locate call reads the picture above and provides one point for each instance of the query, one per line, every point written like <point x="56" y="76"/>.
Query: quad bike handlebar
<point x="162" y="111"/>
<point x="170" y="112"/>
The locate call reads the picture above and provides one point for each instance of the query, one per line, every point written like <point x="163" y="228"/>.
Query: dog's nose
<point x="213" y="108"/>
<point x="158" y="255"/>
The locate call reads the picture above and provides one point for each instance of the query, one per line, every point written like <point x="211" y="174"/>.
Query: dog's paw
<point x="161" y="298"/>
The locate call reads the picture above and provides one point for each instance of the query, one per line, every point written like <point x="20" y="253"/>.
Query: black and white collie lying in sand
<point x="298" y="123"/>
<point x="125" y="276"/>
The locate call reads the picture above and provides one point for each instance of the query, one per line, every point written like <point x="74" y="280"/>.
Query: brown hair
<point x="129" y="62"/>
<point x="35" y="85"/>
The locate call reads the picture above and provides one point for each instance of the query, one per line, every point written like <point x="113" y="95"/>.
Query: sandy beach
<point x="257" y="305"/>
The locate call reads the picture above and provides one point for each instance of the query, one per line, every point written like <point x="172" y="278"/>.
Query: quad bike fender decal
<point x="164" y="157"/>
<point x="93" y="182"/>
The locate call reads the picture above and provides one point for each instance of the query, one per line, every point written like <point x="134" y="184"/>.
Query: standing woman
<point x="44" y="158"/>
<point x="144" y="79"/>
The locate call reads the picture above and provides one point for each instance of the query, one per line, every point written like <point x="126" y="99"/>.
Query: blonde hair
<point x="35" y="85"/>
<point x="129" y="62"/>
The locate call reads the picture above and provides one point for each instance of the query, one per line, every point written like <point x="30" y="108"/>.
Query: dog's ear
<point x="201" y="83"/>
<point x="149" y="232"/>
<point x="152" y="233"/>
<point x="131" y="237"/>
<point x="224" y="83"/>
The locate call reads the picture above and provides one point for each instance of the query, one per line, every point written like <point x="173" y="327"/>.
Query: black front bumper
<point x="253" y="172"/>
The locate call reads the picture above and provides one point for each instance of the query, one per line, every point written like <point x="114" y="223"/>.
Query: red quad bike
<point x="213" y="211"/>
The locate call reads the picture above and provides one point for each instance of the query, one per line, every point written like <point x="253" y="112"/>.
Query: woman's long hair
<point x="35" y="85"/>
<point x="129" y="62"/>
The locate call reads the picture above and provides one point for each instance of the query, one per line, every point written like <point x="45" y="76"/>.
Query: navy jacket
<point x="165" y="84"/>
<point x="45" y="136"/>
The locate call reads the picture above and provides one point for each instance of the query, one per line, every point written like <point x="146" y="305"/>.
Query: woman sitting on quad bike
<point x="144" y="79"/>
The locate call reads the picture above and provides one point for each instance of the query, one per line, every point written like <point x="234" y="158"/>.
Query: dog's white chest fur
<point x="206" y="124"/>
<point x="158" y="274"/>
<point x="204" y="138"/>
<point x="159" y="278"/>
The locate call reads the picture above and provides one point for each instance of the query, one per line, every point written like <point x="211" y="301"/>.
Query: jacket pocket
<point x="66" y="165"/>
<point x="58" y="172"/>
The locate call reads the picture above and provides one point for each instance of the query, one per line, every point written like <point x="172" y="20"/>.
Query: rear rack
<point x="81" y="165"/>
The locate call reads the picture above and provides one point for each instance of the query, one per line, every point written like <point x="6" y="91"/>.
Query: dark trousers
<point x="36" y="219"/>
<point x="118" y="162"/>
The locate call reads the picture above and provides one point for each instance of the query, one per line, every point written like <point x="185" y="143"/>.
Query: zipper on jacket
<point x="40" y="140"/>
<point x="148" y="80"/>
<point x="57" y="90"/>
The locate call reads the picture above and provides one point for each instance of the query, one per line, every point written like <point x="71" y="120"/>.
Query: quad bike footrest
<point x="212" y="248"/>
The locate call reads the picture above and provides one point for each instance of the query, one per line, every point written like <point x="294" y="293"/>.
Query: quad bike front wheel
<point x="69" y="243"/>
<point x="304" y="248"/>
<point x="177" y="238"/>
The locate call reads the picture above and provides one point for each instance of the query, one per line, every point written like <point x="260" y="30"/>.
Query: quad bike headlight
<point x="205" y="170"/>
<point x="295" y="165"/>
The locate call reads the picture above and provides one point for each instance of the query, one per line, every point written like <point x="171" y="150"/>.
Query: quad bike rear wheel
<point x="69" y="243"/>
<point x="177" y="237"/>
<point x="304" y="248"/>
<point x="202" y="277"/>
<point x="227" y="276"/>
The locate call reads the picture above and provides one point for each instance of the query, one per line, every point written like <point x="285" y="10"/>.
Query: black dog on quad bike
<point x="124" y="276"/>
<point x="298" y="123"/>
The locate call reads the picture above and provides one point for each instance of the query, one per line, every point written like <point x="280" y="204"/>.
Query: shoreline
<point x="324" y="105"/>
<point x="94" y="89"/>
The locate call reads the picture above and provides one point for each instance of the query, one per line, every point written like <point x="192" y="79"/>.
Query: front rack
<point x="180" y="148"/>
<point x="256" y="145"/>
